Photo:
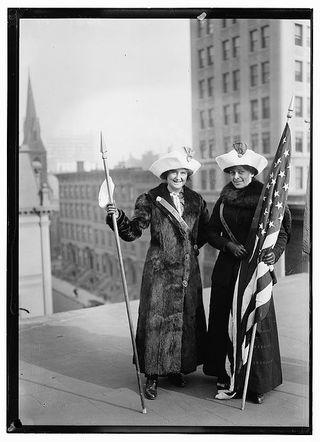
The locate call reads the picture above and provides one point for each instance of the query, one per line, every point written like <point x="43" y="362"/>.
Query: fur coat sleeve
<point x="129" y="230"/>
<point x="203" y="223"/>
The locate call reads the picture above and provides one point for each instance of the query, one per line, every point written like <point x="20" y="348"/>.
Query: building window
<point x="298" y="106"/>
<point x="234" y="20"/>
<point x="201" y="89"/>
<point x="210" y="55"/>
<point x="209" y="26"/>
<point x="212" y="179"/>
<point x="235" y="46"/>
<point x="202" y="149"/>
<point x="255" y="141"/>
<point x="265" y="72"/>
<point x="265" y="107"/>
<point x="210" y="86"/>
<point x="298" y="34"/>
<point x="225" y="82"/>
<point x="266" y="142"/>
<point x="210" y="117"/>
<point x="253" y="75"/>
<point x="236" y="139"/>
<point x="236" y="79"/>
<point x="202" y="120"/>
<point x="226" y="114"/>
<point x="236" y="113"/>
<point x="224" y="23"/>
<point x="299" y="177"/>
<point x="308" y="72"/>
<point x="299" y="141"/>
<point x="308" y="142"/>
<point x="265" y="36"/>
<point x="201" y="58"/>
<point x="225" y="49"/>
<point x="203" y="179"/>
<point x="89" y="234"/>
<point x="298" y="70"/>
<point x="253" y="40"/>
<point x="226" y="144"/>
<point x="211" y="148"/>
<point x="78" y="233"/>
<point x="254" y="110"/>
<point x="308" y="108"/>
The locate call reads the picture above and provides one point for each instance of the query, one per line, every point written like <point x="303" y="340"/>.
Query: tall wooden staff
<point x="123" y="276"/>
<point x="254" y="330"/>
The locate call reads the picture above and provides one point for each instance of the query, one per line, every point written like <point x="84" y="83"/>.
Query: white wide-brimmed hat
<point x="177" y="159"/>
<point x="240" y="155"/>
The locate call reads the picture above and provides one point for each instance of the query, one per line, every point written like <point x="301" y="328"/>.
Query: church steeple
<point x="31" y="128"/>
<point x="32" y="141"/>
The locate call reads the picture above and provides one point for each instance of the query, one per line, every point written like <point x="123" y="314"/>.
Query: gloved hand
<point x="269" y="258"/>
<point x="237" y="250"/>
<point x="111" y="209"/>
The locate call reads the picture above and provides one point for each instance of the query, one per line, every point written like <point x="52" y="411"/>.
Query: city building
<point x="244" y="73"/>
<point x="35" y="288"/>
<point x="89" y="255"/>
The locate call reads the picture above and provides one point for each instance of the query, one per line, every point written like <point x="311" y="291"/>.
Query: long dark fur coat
<point x="239" y="208"/>
<point x="171" y="323"/>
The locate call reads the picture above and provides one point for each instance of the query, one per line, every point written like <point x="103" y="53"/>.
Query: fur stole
<point x="247" y="197"/>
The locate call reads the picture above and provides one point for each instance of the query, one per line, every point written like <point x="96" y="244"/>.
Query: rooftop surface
<point x="76" y="369"/>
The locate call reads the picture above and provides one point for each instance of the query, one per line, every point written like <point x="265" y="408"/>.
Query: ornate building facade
<point x="89" y="256"/>
<point x="244" y="73"/>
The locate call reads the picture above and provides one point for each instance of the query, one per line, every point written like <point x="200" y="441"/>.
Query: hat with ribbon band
<point x="177" y="159"/>
<point x="240" y="155"/>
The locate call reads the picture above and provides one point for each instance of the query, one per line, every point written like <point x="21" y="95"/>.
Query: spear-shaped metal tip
<point x="290" y="108"/>
<point x="101" y="145"/>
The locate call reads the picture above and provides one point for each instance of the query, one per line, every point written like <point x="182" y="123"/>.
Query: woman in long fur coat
<point x="239" y="199"/>
<point x="171" y="323"/>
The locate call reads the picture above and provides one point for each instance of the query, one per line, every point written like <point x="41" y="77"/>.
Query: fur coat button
<point x="184" y="283"/>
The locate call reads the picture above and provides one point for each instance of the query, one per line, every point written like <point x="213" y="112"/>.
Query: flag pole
<point x="123" y="276"/>
<point x="253" y="336"/>
<point x="245" y="388"/>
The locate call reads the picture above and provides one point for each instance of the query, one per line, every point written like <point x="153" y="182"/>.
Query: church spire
<point x="32" y="142"/>
<point x="31" y="128"/>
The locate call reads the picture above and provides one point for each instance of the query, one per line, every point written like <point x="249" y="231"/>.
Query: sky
<point x="129" y="79"/>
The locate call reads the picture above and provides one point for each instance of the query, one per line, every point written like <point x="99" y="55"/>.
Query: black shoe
<point x="150" y="389"/>
<point x="259" y="398"/>
<point x="256" y="398"/>
<point x="177" y="379"/>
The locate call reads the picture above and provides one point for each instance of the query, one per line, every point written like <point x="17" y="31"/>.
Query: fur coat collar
<point x="247" y="197"/>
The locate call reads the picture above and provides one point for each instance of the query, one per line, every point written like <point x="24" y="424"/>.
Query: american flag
<point x="253" y="288"/>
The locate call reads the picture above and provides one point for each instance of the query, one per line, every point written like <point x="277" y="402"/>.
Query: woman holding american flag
<point x="232" y="305"/>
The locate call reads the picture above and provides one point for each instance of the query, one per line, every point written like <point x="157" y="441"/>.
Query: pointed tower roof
<point x="31" y="128"/>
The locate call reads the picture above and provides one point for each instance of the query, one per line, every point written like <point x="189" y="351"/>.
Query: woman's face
<point x="240" y="177"/>
<point x="176" y="179"/>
